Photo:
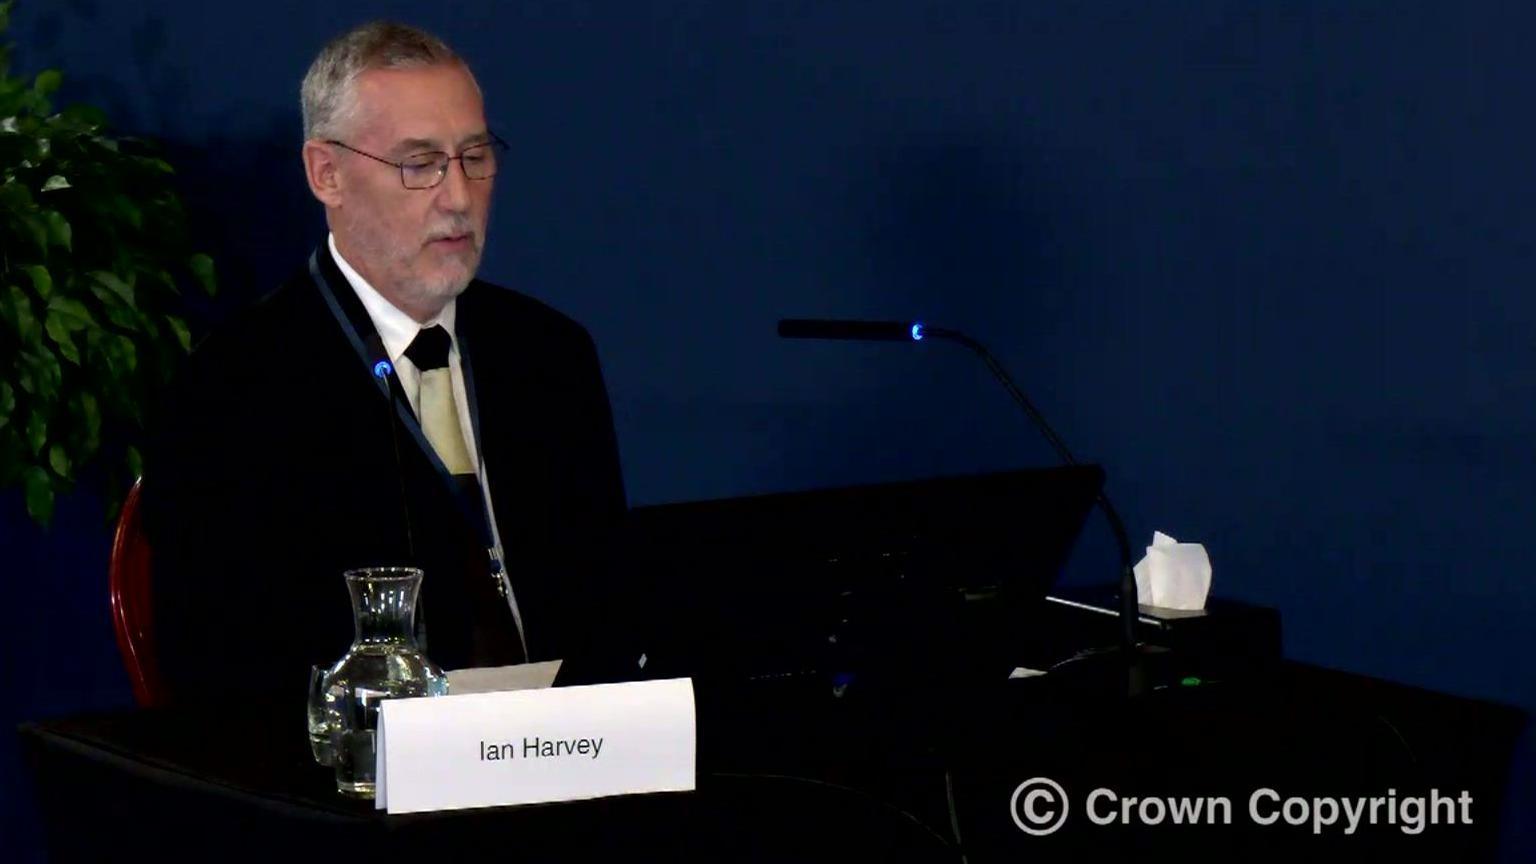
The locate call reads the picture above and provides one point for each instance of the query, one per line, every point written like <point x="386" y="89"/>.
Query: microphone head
<point x="382" y="369"/>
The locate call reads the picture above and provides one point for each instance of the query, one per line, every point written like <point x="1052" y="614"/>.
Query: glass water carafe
<point x="383" y="663"/>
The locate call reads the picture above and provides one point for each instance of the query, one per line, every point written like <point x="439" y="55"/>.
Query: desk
<point x="789" y="772"/>
<point x="1302" y="731"/>
<point x="184" y="785"/>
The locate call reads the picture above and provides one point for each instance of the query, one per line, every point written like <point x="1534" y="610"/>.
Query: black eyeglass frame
<point x="495" y="143"/>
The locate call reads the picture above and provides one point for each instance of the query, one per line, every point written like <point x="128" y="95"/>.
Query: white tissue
<point x="1173" y="575"/>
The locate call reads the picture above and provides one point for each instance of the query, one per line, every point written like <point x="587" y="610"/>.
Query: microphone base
<point x="1227" y="641"/>
<point x="1107" y="674"/>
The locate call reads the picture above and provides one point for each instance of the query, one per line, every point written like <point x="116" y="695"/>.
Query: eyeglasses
<point x="426" y="170"/>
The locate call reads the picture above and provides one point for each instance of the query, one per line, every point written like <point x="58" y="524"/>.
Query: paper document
<point x="497" y="679"/>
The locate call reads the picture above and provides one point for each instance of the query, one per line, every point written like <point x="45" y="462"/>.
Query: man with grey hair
<point x="384" y="407"/>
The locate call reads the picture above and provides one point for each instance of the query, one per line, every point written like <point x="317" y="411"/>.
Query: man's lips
<point x="454" y="242"/>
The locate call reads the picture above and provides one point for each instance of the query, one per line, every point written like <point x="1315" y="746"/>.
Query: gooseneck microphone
<point x="916" y="331"/>
<point x="382" y="370"/>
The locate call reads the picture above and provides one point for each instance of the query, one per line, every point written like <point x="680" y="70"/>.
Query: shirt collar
<point x="396" y="328"/>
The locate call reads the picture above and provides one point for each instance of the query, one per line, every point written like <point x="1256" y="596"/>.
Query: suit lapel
<point x="503" y="371"/>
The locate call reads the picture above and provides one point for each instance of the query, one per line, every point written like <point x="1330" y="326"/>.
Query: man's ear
<point x="322" y="172"/>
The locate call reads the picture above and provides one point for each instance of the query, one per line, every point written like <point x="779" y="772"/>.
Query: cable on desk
<point x="954" y="816"/>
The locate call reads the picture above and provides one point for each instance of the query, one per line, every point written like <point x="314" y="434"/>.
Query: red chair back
<point x="128" y="575"/>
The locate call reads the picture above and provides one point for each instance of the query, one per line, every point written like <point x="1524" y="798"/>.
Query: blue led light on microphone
<point x="917" y="332"/>
<point x="382" y="369"/>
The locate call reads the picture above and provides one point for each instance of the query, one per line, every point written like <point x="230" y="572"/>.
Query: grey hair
<point x="328" y="96"/>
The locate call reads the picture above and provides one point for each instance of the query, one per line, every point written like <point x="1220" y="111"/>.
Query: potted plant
<point x="94" y="255"/>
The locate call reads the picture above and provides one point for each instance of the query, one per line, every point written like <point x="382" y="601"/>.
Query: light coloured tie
<point x="436" y="407"/>
<point x="440" y="421"/>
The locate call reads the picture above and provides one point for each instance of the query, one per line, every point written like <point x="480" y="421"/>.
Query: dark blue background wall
<point x="1269" y="263"/>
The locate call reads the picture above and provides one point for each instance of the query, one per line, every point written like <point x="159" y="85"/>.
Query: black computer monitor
<point x="892" y="578"/>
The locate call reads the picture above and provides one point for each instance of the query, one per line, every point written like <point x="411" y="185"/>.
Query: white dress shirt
<point x="397" y="330"/>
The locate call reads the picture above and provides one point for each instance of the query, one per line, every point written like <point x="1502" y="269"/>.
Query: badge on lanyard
<point x="498" y="570"/>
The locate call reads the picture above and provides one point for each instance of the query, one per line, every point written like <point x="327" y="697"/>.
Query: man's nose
<point x="453" y="192"/>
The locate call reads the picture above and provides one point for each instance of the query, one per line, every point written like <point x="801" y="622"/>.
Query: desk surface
<point x="182" y="784"/>
<point x="789" y="773"/>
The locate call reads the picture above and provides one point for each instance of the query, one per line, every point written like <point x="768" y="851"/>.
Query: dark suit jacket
<point x="273" y="470"/>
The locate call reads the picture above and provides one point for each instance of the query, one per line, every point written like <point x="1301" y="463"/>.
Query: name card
<point x="533" y="746"/>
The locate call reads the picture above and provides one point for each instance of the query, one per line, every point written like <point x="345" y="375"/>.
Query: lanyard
<point x="485" y="519"/>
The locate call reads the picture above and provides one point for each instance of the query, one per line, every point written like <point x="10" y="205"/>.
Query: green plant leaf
<point x="126" y="210"/>
<point x="123" y="352"/>
<point x="90" y="412"/>
<point x="73" y="312"/>
<point x="39" y="493"/>
<point x="135" y="461"/>
<point x="167" y="281"/>
<point x="109" y="280"/>
<point x="7" y="402"/>
<point x="42" y="283"/>
<point x="183" y="335"/>
<point x="37" y="230"/>
<point x="88" y="117"/>
<point x="37" y="432"/>
<point x="118" y="312"/>
<point x="58" y="460"/>
<point x="43" y="372"/>
<point x="13" y="195"/>
<point x="22" y="315"/>
<point x="158" y="165"/>
<point x="108" y="299"/>
<point x="57" y="181"/>
<point x="58" y="331"/>
<point x="47" y="82"/>
<point x="59" y="233"/>
<point x="202" y="267"/>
